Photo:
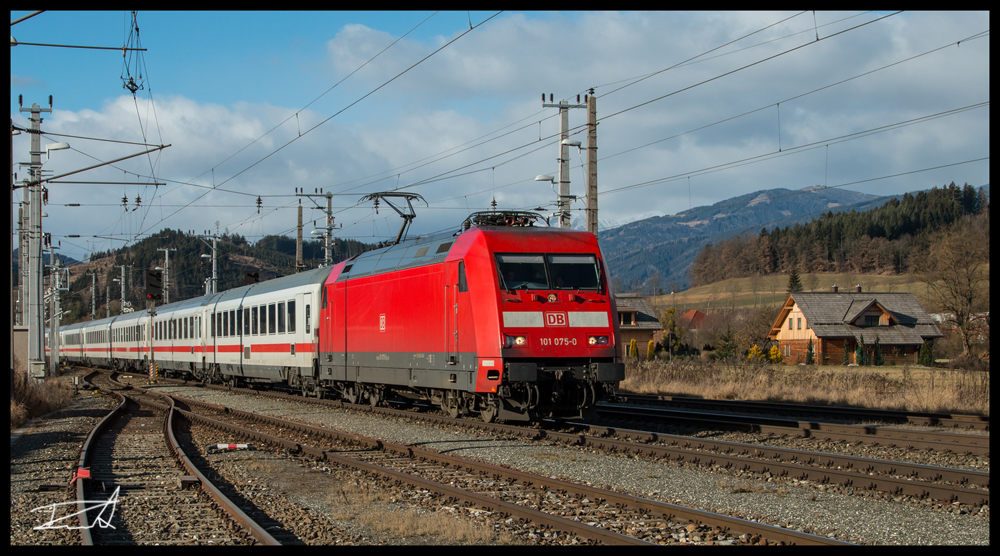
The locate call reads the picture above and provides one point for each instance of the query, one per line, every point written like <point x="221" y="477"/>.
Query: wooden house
<point x="637" y="320"/>
<point x="838" y="322"/>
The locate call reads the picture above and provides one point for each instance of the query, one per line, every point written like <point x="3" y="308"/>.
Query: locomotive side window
<point x="463" y="286"/>
<point x="270" y="319"/>
<point x="522" y="272"/>
<point x="291" y="315"/>
<point x="281" y="317"/>
<point x="574" y="272"/>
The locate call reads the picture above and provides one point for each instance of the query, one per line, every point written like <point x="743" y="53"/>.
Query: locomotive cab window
<point x="574" y="272"/>
<point x="522" y="272"/>
<point x="543" y="272"/>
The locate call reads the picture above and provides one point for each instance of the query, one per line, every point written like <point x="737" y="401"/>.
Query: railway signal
<point x="154" y="284"/>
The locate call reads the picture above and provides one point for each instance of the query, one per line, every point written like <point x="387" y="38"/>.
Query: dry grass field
<point x="770" y="290"/>
<point x="886" y="387"/>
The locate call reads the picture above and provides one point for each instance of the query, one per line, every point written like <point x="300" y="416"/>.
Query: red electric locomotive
<point x="502" y="318"/>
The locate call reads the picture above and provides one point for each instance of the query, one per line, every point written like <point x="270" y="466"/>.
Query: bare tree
<point x="957" y="275"/>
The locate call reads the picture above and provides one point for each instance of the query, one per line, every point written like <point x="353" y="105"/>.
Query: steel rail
<point x="956" y="443"/>
<point x="668" y="511"/>
<point x="981" y="422"/>
<point x="227" y="505"/>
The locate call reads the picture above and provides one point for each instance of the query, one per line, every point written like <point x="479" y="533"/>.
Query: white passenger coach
<point x="264" y="332"/>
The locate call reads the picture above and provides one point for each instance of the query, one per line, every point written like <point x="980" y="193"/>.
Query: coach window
<point x="234" y="329"/>
<point x="271" y="321"/>
<point x="253" y="320"/>
<point x="281" y="317"/>
<point x="225" y="324"/>
<point x="246" y="321"/>
<point x="307" y="319"/>
<point x="291" y="315"/>
<point x="212" y="325"/>
<point x="184" y="328"/>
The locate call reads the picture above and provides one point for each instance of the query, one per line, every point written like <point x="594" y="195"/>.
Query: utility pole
<point x="93" y="296"/>
<point x="298" y="242"/>
<point x="215" y="275"/>
<point x="328" y="234"/>
<point x="123" y="307"/>
<point x="591" y="163"/>
<point x="166" y="275"/>
<point x="55" y="309"/>
<point x="564" y="144"/>
<point x="36" y="326"/>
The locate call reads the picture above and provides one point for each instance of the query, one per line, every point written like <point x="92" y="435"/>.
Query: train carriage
<point x="501" y="318"/>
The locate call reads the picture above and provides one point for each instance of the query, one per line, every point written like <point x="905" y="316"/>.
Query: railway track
<point x="850" y="414"/>
<point x="876" y="436"/>
<point x="572" y="510"/>
<point x="142" y="489"/>
<point x="920" y="481"/>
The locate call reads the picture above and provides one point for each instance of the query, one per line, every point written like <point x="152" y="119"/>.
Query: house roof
<point x="636" y="302"/>
<point x="693" y="319"/>
<point x="834" y="315"/>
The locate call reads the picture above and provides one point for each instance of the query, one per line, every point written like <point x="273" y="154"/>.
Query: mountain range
<point x="661" y="249"/>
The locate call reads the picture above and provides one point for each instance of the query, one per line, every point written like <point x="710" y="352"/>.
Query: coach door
<point x="455" y="284"/>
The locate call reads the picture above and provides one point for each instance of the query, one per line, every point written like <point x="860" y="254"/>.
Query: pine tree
<point x="809" y="353"/>
<point x="926" y="356"/>
<point x="794" y="284"/>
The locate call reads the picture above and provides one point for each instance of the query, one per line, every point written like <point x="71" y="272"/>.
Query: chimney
<point x="835" y="288"/>
<point x="857" y="288"/>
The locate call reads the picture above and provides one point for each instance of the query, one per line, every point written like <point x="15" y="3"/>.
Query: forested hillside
<point x="889" y="239"/>
<point x="271" y="257"/>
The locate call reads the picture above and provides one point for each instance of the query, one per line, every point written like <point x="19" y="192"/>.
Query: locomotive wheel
<point x="452" y="409"/>
<point x="488" y="413"/>
<point x="351" y="395"/>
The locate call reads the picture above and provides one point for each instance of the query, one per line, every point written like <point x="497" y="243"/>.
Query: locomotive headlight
<point x="518" y="341"/>
<point x="597" y="340"/>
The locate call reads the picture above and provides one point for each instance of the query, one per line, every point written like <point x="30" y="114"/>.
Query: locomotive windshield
<point x="548" y="272"/>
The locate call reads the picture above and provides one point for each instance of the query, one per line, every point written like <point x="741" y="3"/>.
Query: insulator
<point x="138" y="200"/>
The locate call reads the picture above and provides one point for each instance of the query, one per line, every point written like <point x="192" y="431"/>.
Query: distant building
<point x="637" y="320"/>
<point x="693" y="320"/>
<point x="836" y="322"/>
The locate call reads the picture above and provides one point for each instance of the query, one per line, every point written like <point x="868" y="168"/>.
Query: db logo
<point x="381" y="322"/>
<point x="556" y="319"/>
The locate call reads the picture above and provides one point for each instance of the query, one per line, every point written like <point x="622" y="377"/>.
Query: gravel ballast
<point x="823" y="510"/>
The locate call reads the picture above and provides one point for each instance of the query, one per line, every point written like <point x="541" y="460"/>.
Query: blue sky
<point x="217" y="82"/>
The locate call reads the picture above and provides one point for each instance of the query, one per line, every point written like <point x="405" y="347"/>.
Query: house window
<point x="871" y="320"/>
<point x="800" y="324"/>
<point x="788" y="350"/>
<point x="789" y="323"/>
